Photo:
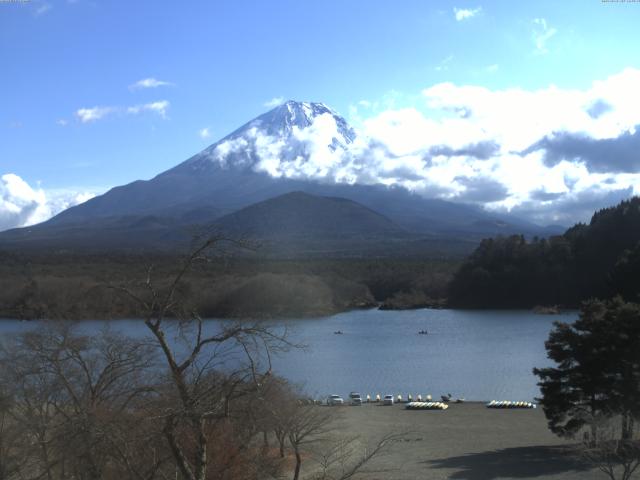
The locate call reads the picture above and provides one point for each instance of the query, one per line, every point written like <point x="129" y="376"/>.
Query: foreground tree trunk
<point x="296" y="472"/>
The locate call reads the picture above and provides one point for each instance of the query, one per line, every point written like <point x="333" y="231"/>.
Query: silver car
<point x="388" y="400"/>
<point x="334" y="400"/>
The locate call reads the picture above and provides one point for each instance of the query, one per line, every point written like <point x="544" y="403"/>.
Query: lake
<point x="477" y="355"/>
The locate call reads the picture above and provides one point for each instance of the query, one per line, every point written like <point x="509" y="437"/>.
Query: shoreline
<point x="381" y="306"/>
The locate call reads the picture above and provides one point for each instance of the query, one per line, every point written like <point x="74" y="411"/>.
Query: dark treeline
<point x="78" y="286"/>
<point x="598" y="260"/>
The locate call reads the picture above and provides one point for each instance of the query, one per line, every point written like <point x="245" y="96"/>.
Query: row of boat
<point x="426" y="406"/>
<point x="400" y="398"/>
<point x="508" y="404"/>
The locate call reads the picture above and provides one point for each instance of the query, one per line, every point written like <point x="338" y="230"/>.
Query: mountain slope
<point x="299" y="214"/>
<point x="267" y="157"/>
<point x="229" y="181"/>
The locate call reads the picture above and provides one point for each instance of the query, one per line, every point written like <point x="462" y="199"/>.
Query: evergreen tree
<point x="598" y="369"/>
<point x="598" y="260"/>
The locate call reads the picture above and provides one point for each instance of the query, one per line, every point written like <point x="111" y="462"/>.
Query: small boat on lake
<point x="423" y="332"/>
<point x="338" y="332"/>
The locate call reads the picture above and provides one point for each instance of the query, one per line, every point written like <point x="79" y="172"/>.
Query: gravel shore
<point x="466" y="441"/>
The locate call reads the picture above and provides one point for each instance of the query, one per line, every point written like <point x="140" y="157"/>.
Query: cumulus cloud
<point x="619" y="154"/>
<point x="22" y="205"/>
<point x="465" y="13"/>
<point x="507" y="149"/>
<point x="541" y="34"/>
<point x="598" y="108"/>
<point x="482" y="150"/>
<point x="517" y="118"/>
<point x="204" y="133"/>
<point x="89" y="115"/>
<point x="274" y="102"/>
<point x="149" y="83"/>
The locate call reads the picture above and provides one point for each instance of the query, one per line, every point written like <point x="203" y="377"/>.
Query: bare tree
<point x="615" y="455"/>
<point x="201" y="396"/>
<point x="312" y="429"/>
<point x="345" y="458"/>
<point x="307" y="424"/>
<point x="71" y="395"/>
<point x="13" y="457"/>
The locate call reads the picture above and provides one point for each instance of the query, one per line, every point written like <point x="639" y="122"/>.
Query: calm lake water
<point x="478" y="355"/>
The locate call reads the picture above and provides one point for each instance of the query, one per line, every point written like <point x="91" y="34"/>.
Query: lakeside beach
<point x="467" y="441"/>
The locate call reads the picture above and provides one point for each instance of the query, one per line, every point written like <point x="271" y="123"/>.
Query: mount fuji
<point x="296" y="147"/>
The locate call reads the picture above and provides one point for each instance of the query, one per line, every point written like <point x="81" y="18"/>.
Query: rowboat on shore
<point x="509" y="404"/>
<point x="426" y="406"/>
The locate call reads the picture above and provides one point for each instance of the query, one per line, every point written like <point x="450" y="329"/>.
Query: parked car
<point x="355" y="398"/>
<point x="388" y="400"/>
<point x="334" y="400"/>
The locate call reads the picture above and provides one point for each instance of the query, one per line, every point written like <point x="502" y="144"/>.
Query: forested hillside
<point x="79" y="286"/>
<point x="600" y="259"/>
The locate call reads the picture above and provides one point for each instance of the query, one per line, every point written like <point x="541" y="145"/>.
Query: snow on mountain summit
<point x="293" y="140"/>
<point x="304" y="114"/>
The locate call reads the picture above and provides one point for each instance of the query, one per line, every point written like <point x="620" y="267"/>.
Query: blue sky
<point x="72" y="119"/>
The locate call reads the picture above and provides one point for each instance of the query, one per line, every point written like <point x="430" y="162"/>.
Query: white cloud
<point x="62" y="122"/>
<point x="159" y="107"/>
<point x="223" y="150"/>
<point x="88" y="115"/>
<point x="465" y="13"/>
<point x="204" y="133"/>
<point x="542" y="33"/>
<point x="22" y="205"/>
<point x="274" y="102"/>
<point x="149" y="83"/>
<point x="470" y="143"/>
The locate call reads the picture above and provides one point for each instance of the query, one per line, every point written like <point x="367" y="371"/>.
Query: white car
<point x="355" y="398"/>
<point x="388" y="400"/>
<point x="334" y="400"/>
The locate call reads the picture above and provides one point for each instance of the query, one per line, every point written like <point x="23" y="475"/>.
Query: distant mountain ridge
<point x="233" y="174"/>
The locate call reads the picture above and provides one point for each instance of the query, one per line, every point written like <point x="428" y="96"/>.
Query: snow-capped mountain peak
<point x="282" y="119"/>
<point x="295" y="139"/>
<point x="302" y="114"/>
